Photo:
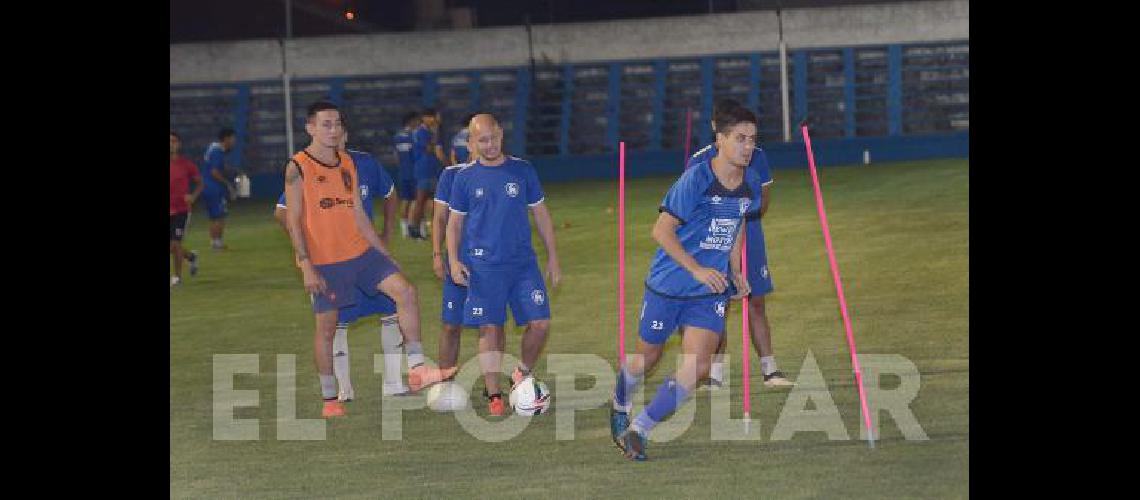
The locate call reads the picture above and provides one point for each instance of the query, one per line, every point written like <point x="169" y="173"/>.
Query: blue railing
<point x="564" y="114"/>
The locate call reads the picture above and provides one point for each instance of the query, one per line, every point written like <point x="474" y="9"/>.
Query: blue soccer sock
<point x="626" y="384"/>
<point x="669" y="396"/>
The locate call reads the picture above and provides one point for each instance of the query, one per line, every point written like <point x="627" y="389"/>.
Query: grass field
<point x="901" y="232"/>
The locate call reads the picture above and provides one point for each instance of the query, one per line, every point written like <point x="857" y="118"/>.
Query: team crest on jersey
<point x="720" y="309"/>
<point x="537" y="297"/>
<point x="716" y="199"/>
<point x="478" y="192"/>
<point x="764" y="271"/>
<point x="364" y="191"/>
<point x="744" y="203"/>
<point x="512" y="189"/>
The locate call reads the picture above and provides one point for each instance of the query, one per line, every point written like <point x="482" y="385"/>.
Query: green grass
<point x="901" y="232"/>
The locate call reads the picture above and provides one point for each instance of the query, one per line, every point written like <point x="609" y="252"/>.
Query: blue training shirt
<point x="370" y="176"/>
<point x="425" y="163"/>
<point x="710" y="216"/>
<point x="214" y="159"/>
<point x="459" y="145"/>
<point x="403" y="144"/>
<point x="496" y="230"/>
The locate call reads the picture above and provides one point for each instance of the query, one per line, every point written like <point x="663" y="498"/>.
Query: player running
<point x="182" y="171"/>
<point x="694" y="274"/>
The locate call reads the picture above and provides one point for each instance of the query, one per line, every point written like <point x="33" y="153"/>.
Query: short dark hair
<point x="410" y="117"/>
<point x="723" y="105"/>
<point x="319" y="106"/>
<point x="429" y="112"/>
<point x="226" y="132"/>
<point x="732" y="117"/>
<point x="175" y="134"/>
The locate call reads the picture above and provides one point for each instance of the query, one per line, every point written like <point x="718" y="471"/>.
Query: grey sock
<point x="328" y="386"/>
<point x="415" y="351"/>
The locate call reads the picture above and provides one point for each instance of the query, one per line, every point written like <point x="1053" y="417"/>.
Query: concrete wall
<point x="579" y="42"/>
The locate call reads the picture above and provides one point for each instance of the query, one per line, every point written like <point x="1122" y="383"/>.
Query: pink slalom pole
<point x="838" y="287"/>
<point x="688" y="136"/>
<point x="621" y="253"/>
<point x="746" y="374"/>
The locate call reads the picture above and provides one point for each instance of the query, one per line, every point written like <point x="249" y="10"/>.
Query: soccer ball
<point x="447" y="396"/>
<point x="530" y="397"/>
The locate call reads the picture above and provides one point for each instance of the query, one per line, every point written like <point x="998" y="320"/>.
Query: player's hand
<point x="314" y="283"/>
<point x="553" y="273"/>
<point x="712" y="278"/>
<point x="189" y="199"/>
<point x="459" y="273"/>
<point x="743" y="288"/>
<point x="437" y="265"/>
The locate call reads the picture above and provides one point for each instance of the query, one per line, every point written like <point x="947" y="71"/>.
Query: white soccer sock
<point x="340" y="358"/>
<point x="391" y="341"/>
<point x="768" y="365"/>
<point x="423" y="228"/>
<point x="404" y="227"/>
<point x="716" y="370"/>
<point x="415" y="351"/>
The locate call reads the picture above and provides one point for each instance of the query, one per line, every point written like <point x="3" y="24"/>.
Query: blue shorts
<point x="492" y="288"/>
<point x="366" y="306"/>
<point x="426" y="184"/>
<point x="661" y="316"/>
<point x="454" y="296"/>
<point x="758" y="276"/>
<point x="406" y="188"/>
<point x="345" y="279"/>
<point x="215" y="203"/>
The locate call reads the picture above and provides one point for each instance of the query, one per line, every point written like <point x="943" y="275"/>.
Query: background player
<point x="405" y="172"/>
<point x="182" y="171"/>
<point x="489" y="226"/>
<point x="459" y="149"/>
<point x="427" y="155"/>
<point x="218" y="189"/>
<point x="338" y="250"/>
<point x="759" y="278"/>
<point x="688" y="287"/>
<point x="373" y="180"/>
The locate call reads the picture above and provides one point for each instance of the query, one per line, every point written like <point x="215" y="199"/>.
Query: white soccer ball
<point x="447" y="396"/>
<point x="530" y="397"/>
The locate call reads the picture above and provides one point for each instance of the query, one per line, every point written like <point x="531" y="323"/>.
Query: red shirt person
<point x="182" y="172"/>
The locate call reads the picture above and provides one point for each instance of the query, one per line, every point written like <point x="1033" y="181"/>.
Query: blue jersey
<point x="759" y="161"/>
<point x="214" y="159"/>
<point x="403" y="144"/>
<point x="371" y="177"/>
<point x="710" y="217"/>
<point x="443" y="187"/>
<point x="459" y="145"/>
<point x="426" y="163"/>
<point x="496" y="229"/>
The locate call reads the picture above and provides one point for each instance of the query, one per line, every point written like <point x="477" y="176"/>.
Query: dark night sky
<point x="209" y="20"/>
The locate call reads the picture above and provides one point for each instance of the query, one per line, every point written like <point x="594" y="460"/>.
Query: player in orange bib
<point x="338" y="249"/>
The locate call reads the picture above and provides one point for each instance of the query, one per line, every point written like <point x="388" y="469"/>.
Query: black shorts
<point x="178" y="226"/>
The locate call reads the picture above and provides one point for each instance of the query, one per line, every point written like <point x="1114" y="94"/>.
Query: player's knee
<point x="539" y="325"/>
<point x="452" y="330"/>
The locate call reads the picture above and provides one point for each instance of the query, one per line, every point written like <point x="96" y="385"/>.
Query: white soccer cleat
<point x="174" y="281"/>
<point x="346" y="396"/>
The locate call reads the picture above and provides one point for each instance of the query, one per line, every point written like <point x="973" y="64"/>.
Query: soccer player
<point x="459" y="149"/>
<point x="454" y="296"/>
<point x="759" y="278"/>
<point x="489" y="226"/>
<point x="405" y="173"/>
<point x="694" y="274"/>
<point x="182" y="171"/>
<point x="427" y="154"/>
<point x="218" y="188"/>
<point x="338" y="250"/>
<point x="373" y="180"/>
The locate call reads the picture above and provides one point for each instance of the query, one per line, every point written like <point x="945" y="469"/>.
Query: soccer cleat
<point x="192" y="256"/>
<point x="346" y="396"/>
<point x="175" y="281"/>
<point x="711" y="384"/>
<point x="635" y="443"/>
<point x="332" y="409"/>
<point x="398" y="389"/>
<point x="777" y="379"/>
<point x="422" y="376"/>
<point x="495" y="405"/>
<point x="619" y="422"/>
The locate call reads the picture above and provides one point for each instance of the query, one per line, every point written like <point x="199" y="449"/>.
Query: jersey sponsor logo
<point x="720" y="309"/>
<point x="327" y="203"/>
<point x="720" y="235"/>
<point x="478" y="192"/>
<point x="363" y="190"/>
<point x="537" y="297"/>
<point x="716" y="200"/>
<point x="512" y="189"/>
